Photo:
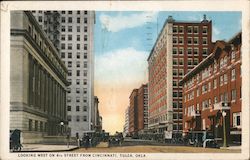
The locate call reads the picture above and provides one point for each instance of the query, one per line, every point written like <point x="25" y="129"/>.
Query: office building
<point x="214" y="87"/>
<point x="37" y="81"/>
<point x="180" y="46"/>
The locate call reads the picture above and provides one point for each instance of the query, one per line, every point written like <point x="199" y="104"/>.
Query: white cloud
<point x="121" y="66"/>
<point x="120" y="22"/>
<point x="216" y="33"/>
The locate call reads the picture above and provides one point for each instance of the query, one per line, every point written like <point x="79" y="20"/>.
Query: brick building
<point x="133" y="112"/>
<point x="212" y="87"/>
<point x="179" y="47"/>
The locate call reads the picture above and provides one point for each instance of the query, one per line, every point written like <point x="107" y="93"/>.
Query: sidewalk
<point x="232" y="148"/>
<point x="47" y="148"/>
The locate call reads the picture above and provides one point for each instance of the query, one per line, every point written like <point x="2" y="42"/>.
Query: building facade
<point x="126" y="125"/>
<point x="37" y="81"/>
<point x="213" y="87"/>
<point x="143" y="107"/>
<point x="75" y="32"/>
<point x="133" y="112"/>
<point x="179" y="47"/>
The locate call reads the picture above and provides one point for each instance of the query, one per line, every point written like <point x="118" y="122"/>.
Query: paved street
<point x="158" y="149"/>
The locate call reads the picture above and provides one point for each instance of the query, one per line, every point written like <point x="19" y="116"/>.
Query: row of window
<point x="78" y="46"/>
<point x="77" y="108"/>
<point x="70" y="12"/>
<point x="190" y="40"/>
<point x="190" y="51"/>
<point x="78" y="81"/>
<point x="78" y="64"/>
<point x="70" y="20"/>
<point x="78" y="37"/>
<point x="70" y="29"/>
<point x="78" y="99"/>
<point x="77" y="90"/>
<point x="77" y="118"/>
<point x="190" y="29"/>
<point x="78" y="55"/>
<point x="78" y="73"/>
<point x="35" y="125"/>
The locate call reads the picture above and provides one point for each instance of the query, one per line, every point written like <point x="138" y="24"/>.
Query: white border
<point x="240" y="5"/>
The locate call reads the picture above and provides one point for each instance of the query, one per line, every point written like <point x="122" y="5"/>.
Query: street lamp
<point x="224" y="129"/>
<point x="61" y="124"/>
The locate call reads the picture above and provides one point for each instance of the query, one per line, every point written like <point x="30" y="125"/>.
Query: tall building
<point x="143" y="107"/>
<point x="50" y="23"/>
<point x="138" y="111"/>
<point x="37" y="81"/>
<point x="126" y="125"/>
<point x="133" y="112"/>
<point x="214" y="87"/>
<point x="179" y="47"/>
<point x="76" y="32"/>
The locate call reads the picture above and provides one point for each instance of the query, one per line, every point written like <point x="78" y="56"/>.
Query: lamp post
<point x="224" y="129"/>
<point x="61" y="124"/>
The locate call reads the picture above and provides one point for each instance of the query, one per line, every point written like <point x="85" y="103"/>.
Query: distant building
<point x="212" y="87"/>
<point x="133" y="112"/>
<point x="143" y="107"/>
<point x="179" y="47"/>
<point x="37" y="81"/>
<point x="126" y="125"/>
<point x="138" y="110"/>
<point x="96" y="118"/>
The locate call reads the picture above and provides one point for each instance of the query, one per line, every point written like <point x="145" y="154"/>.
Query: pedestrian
<point x="86" y="142"/>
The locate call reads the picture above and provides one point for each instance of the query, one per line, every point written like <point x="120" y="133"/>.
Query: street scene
<point x="86" y="81"/>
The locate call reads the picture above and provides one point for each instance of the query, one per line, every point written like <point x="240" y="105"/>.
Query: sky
<point x="123" y="41"/>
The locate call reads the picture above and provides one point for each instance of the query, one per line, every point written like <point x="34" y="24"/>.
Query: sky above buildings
<point x="123" y="41"/>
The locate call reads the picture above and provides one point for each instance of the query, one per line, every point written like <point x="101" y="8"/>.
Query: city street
<point x="157" y="149"/>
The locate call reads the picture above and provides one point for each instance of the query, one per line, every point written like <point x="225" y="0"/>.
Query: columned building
<point x="73" y="35"/>
<point x="37" y="81"/>
<point x="214" y="87"/>
<point x="133" y="112"/>
<point x="180" y="46"/>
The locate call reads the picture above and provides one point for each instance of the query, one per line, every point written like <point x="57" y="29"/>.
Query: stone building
<point x="37" y="81"/>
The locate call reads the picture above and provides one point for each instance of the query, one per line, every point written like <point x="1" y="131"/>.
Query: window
<point x="175" y="94"/>
<point x="175" y="61"/>
<point x="70" y="81"/>
<point x="196" y="51"/>
<point x="69" y="73"/>
<point x="78" y="55"/>
<point x="233" y="55"/>
<point x="233" y="75"/>
<point x="237" y="119"/>
<point x="196" y="61"/>
<point x="181" y="40"/>
<point x="189" y="50"/>
<point x="68" y="99"/>
<point x="63" y="12"/>
<point x="181" y="28"/>
<point x="204" y="40"/>
<point x="174" y="40"/>
<point x="69" y="64"/>
<point x="85" y="47"/>
<point x="77" y="64"/>
<point x="181" y="61"/>
<point x="69" y="19"/>
<point x="85" y="64"/>
<point x="85" y="118"/>
<point x="78" y="20"/>
<point x="225" y="78"/>
<point x="204" y="51"/>
<point x="40" y="19"/>
<point x="30" y="124"/>
<point x="85" y="12"/>
<point x="85" y="37"/>
<point x="189" y="61"/>
<point x="68" y="108"/>
<point x="77" y="81"/>
<point x="85" y="90"/>
<point x="69" y="28"/>
<point x="77" y="90"/>
<point x="36" y="125"/>
<point x="69" y="12"/>
<point x="174" y="104"/>
<point x="190" y="29"/>
<point x="77" y="108"/>
<point x="69" y="37"/>
<point x="174" y="72"/>
<point x="85" y="99"/>
<point x="63" y="46"/>
<point x="78" y="46"/>
<point x="78" y="12"/>
<point x="196" y="40"/>
<point x="174" y="50"/>
<point x="78" y="28"/>
<point x="78" y="38"/>
<point x="175" y="29"/>
<point x="181" y="50"/>
<point x="78" y="73"/>
<point x="85" y="72"/>
<point x="181" y="72"/>
<point x="85" y="20"/>
<point x="215" y="83"/>
<point x="84" y="108"/>
<point x="196" y="29"/>
<point x="63" y="37"/>
<point x="85" y="81"/>
<point x="85" y="29"/>
<point x="69" y="55"/>
<point x="233" y="92"/>
<point x="77" y="99"/>
<point x="85" y="56"/>
<point x="68" y="90"/>
<point x="70" y="46"/>
<point x="204" y="29"/>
